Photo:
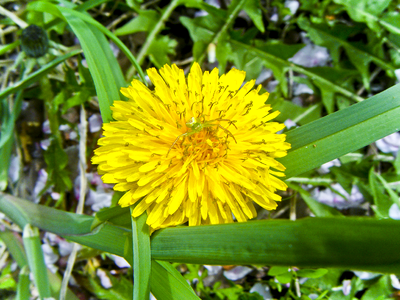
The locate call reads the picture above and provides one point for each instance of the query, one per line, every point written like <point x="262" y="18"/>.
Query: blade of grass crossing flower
<point x="36" y="263"/>
<point x="141" y="257"/>
<point x="342" y="132"/>
<point x="23" y="290"/>
<point x="169" y="284"/>
<point x="350" y="243"/>
<point x="393" y="196"/>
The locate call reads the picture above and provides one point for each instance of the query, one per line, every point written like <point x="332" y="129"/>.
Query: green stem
<point x="152" y="35"/>
<point x="228" y="23"/>
<point x="141" y="257"/>
<point x="156" y="29"/>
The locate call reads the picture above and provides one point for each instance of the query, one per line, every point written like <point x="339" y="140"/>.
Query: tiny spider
<point x="197" y="126"/>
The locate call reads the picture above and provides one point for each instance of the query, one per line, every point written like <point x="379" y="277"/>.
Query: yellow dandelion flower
<point x="198" y="149"/>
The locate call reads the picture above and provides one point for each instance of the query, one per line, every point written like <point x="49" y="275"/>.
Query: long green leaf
<point x="351" y="243"/>
<point x="102" y="74"/>
<point x="342" y="132"/>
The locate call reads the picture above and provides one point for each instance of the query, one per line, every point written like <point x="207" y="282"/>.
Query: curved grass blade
<point x="67" y="13"/>
<point x="342" y="132"/>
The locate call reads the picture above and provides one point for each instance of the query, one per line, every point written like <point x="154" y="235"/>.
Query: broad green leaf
<point x="353" y="242"/>
<point x="298" y="114"/>
<point x="311" y="273"/>
<point x="57" y="160"/>
<point x="381" y="200"/>
<point x="342" y="132"/>
<point x="145" y="21"/>
<point x="382" y="289"/>
<point x="116" y="215"/>
<point x="211" y="29"/>
<point x="170" y="283"/>
<point x="317" y="208"/>
<point x="159" y="50"/>
<point x="366" y="11"/>
<point x="391" y="21"/>
<point x="393" y="196"/>
<point x="276" y="60"/>
<point x="275" y="57"/>
<point x="202" y="31"/>
<point x="121" y="288"/>
<point x="7" y="281"/>
<point x="253" y="9"/>
<point x="334" y="38"/>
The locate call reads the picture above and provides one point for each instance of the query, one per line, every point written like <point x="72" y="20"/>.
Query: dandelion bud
<point x="34" y="41"/>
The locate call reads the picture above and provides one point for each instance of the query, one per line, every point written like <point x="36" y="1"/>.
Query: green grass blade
<point x="142" y="257"/>
<point x="350" y="243"/>
<point x="156" y="29"/>
<point x="107" y="88"/>
<point x="8" y="47"/>
<point x="5" y="153"/>
<point x="36" y="263"/>
<point x="15" y="247"/>
<point x="168" y="283"/>
<point x="34" y="77"/>
<point x="23" y="290"/>
<point x="342" y="132"/>
<point x="67" y="13"/>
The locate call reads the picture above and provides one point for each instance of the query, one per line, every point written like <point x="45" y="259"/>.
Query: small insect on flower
<point x="196" y="125"/>
<point x="198" y="149"/>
